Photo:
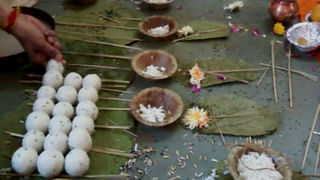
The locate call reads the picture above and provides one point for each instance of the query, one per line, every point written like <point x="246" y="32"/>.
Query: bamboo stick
<point x="308" y="76"/>
<point x="62" y="23"/>
<point x="99" y="36"/>
<point x="310" y="137"/>
<point x="198" y="34"/>
<point x="112" y="127"/>
<point x="263" y="75"/>
<point x="113" y="109"/>
<point x="102" y="43"/>
<point x="97" y="55"/>
<point x="115" y="86"/>
<point x="34" y="75"/>
<point x="127" y="131"/>
<point x="115" y="90"/>
<point x="30" y="82"/>
<point x="30" y="91"/>
<point x="65" y="176"/>
<point x="236" y="70"/>
<point x="115" y="81"/>
<point x="105" y="151"/>
<point x="128" y="19"/>
<point x="289" y="78"/>
<point x="105" y="17"/>
<point x="274" y="80"/>
<point x="14" y="134"/>
<point x="114" y="99"/>
<point x="317" y="161"/>
<point x="102" y="67"/>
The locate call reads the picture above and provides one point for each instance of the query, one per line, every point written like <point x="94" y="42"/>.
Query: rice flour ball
<point x="24" y="160"/>
<point x="56" y="141"/>
<point x="64" y="109"/>
<point x="54" y="65"/>
<point x="77" y="163"/>
<point x="50" y="163"/>
<point x="33" y="139"/>
<point x="87" y="108"/>
<point x="83" y="122"/>
<point x="73" y="79"/>
<point x="80" y="139"/>
<point x="92" y="80"/>
<point x="46" y="92"/>
<point x="37" y="121"/>
<point x="43" y="104"/>
<point x="52" y="78"/>
<point x="60" y="124"/>
<point x="67" y="93"/>
<point x="88" y="93"/>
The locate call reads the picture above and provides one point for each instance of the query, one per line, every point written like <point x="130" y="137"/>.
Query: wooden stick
<point x="309" y="76"/>
<point x="94" y="25"/>
<point x="128" y="19"/>
<point x="127" y="131"/>
<point x="310" y="137"/>
<point x="114" y="99"/>
<point x="102" y="67"/>
<point x="102" y="43"/>
<point x="99" y="36"/>
<point x="14" y="134"/>
<point x="274" y="80"/>
<point x="199" y="33"/>
<point x="115" y="81"/>
<point x="115" y="86"/>
<point x="289" y="78"/>
<point x="236" y="70"/>
<point x="115" y="90"/>
<point x="112" y="127"/>
<point x="317" y="161"/>
<point x="97" y="55"/>
<point x="65" y="176"/>
<point x="30" y="82"/>
<point x="230" y="44"/>
<point x="105" y="17"/>
<point x="30" y="91"/>
<point x="34" y="75"/>
<point x="113" y="109"/>
<point x="263" y="75"/>
<point x="105" y="151"/>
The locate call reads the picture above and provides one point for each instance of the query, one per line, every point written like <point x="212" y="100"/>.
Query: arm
<point x="40" y="43"/>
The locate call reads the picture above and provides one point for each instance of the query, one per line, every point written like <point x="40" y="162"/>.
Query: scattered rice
<point x="152" y="114"/>
<point x="154" y="71"/>
<point x="212" y="176"/>
<point x="161" y="30"/>
<point x="255" y="166"/>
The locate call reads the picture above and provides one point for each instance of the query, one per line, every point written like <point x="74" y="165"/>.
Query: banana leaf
<point x="208" y="30"/>
<point x="217" y="64"/>
<point x="88" y="14"/>
<point x="236" y="115"/>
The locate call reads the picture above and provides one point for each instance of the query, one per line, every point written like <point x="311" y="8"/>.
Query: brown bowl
<point x="157" y="97"/>
<point x="156" y="21"/>
<point x="158" y="6"/>
<point x="156" y="58"/>
<point x="278" y="159"/>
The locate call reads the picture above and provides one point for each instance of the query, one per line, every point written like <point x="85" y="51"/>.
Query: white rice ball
<point x="60" y="124"/>
<point x="63" y="108"/>
<point x="46" y="92"/>
<point x="50" y="163"/>
<point x="33" y="139"/>
<point x="54" y="65"/>
<point x="52" y="78"/>
<point x="73" y="79"/>
<point x="24" y="160"/>
<point x="37" y="121"/>
<point x="92" y="80"/>
<point x="83" y="122"/>
<point x="77" y="163"/>
<point x="88" y="93"/>
<point x="80" y="139"/>
<point x="56" y="141"/>
<point x="87" y="108"/>
<point x="67" y="93"/>
<point x="43" y="104"/>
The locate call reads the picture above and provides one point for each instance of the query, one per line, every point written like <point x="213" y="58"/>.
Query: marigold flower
<point x="279" y="29"/>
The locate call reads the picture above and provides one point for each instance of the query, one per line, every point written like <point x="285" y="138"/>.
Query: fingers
<point x="37" y="57"/>
<point x="54" y="42"/>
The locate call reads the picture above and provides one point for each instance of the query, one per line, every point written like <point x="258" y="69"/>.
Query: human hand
<point x="40" y="43"/>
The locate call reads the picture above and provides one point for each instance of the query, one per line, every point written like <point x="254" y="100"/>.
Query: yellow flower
<point x="196" y="117"/>
<point x="197" y="75"/>
<point x="279" y="29"/>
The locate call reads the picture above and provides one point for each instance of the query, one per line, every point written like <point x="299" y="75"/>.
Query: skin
<point x="40" y="43"/>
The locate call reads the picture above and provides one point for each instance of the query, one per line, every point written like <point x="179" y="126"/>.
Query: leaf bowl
<point x="156" y="97"/>
<point x="158" y="5"/>
<point x="157" y="58"/>
<point x="157" y="21"/>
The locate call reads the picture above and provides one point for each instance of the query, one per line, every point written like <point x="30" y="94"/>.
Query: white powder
<point x="152" y="114"/>
<point x="255" y="166"/>
<point x="161" y="30"/>
<point x="158" y="1"/>
<point x="155" y="71"/>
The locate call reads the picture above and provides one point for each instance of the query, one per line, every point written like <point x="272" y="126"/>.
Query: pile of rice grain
<point x="154" y="71"/>
<point x="161" y="30"/>
<point x="152" y="114"/>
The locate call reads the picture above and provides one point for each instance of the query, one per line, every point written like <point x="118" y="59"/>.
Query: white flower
<point x="197" y="75"/>
<point x="196" y="117"/>
<point x="185" y="31"/>
<point x="234" y="6"/>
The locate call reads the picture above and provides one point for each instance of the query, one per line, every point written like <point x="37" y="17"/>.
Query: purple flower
<point x="234" y="29"/>
<point x="221" y="77"/>
<point x="313" y="68"/>
<point x="255" y="32"/>
<point x="179" y="7"/>
<point x="195" y="88"/>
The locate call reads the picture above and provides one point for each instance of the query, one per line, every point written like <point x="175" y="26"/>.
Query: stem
<point x="230" y="44"/>
<point x="105" y="17"/>
<point x="198" y="34"/>
<point x="97" y="55"/>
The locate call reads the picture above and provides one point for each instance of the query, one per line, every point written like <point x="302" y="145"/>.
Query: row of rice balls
<point x="51" y="161"/>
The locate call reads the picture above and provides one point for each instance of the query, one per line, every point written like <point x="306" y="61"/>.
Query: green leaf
<point x="251" y="118"/>
<point x="213" y="65"/>
<point x="219" y="30"/>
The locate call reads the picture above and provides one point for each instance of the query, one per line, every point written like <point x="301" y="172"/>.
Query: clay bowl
<point x="156" y="97"/>
<point x="156" y="58"/>
<point x="278" y="159"/>
<point x="158" y="6"/>
<point x="156" y="21"/>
